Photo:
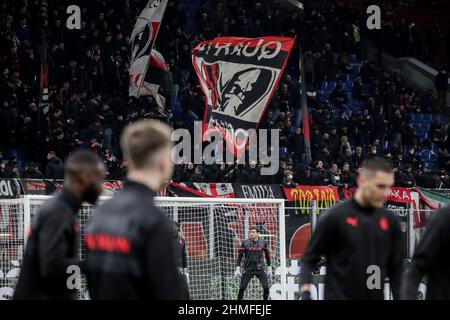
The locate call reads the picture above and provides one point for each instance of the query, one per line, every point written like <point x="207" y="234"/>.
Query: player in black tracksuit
<point x="431" y="258"/>
<point x="357" y="238"/>
<point x="129" y="241"/>
<point x="53" y="236"/>
<point x="254" y="250"/>
<point x="129" y="249"/>
<point x="180" y="252"/>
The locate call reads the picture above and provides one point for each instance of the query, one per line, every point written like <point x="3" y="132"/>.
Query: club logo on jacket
<point x="352" y="221"/>
<point x="384" y="224"/>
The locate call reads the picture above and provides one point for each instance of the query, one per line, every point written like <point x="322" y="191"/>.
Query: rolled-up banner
<point x="143" y="38"/>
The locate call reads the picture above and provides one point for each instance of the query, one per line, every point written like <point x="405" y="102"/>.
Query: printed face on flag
<point x="238" y="77"/>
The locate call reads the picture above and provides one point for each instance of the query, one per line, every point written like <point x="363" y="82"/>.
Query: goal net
<point x="213" y="229"/>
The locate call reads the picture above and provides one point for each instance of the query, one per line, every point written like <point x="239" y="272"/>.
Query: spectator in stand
<point x="344" y="144"/>
<point x="288" y="179"/>
<point x="319" y="176"/>
<point x="325" y="156"/>
<point x="120" y="173"/>
<point x="198" y="174"/>
<point x="348" y="178"/>
<point x="297" y="145"/>
<point x="365" y="127"/>
<point x="189" y="171"/>
<point x="398" y="127"/>
<point x="441" y="85"/>
<point x="55" y="167"/>
<point x="444" y="179"/>
<point x="11" y="169"/>
<point x="437" y="133"/>
<point x="398" y="160"/>
<point x="425" y="179"/>
<point x="346" y="157"/>
<point x="407" y="180"/>
<point x="428" y="103"/>
<point x="338" y="96"/>
<point x="285" y="99"/>
<point x="213" y="172"/>
<point x="443" y="156"/>
<point x="250" y="173"/>
<point x="335" y="143"/>
<point x="413" y="158"/>
<point x="358" y="90"/>
<point x="335" y="176"/>
<point x="358" y="156"/>
<point x="373" y="151"/>
<point x="343" y="123"/>
<point x="410" y="138"/>
<point x="31" y="172"/>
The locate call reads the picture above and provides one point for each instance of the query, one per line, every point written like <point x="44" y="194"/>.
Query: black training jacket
<point x="129" y="249"/>
<point x="254" y="252"/>
<point x="180" y="252"/>
<point x="359" y="244"/>
<point x="431" y="258"/>
<point x="51" y="248"/>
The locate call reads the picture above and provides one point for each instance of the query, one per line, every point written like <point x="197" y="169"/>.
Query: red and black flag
<point x="239" y="77"/>
<point x="143" y="38"/>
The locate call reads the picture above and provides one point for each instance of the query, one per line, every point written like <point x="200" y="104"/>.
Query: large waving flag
<point x="142" y="40"/>
<point x="239" y="77"/>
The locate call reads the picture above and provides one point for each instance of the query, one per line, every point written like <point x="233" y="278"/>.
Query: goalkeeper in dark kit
<point x="253" y="250"/>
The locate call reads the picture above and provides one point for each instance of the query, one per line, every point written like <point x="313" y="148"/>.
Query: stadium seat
<point x="283" y="150"/>
<point x="425" y="155"/>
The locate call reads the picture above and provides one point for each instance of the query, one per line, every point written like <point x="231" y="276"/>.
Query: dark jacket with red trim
<point x="361" y="246"/>
<point x="51" y="248"/>
<point x="180" y="252"/>
<point x="432" y="259"/>
<point x="253" y="253"/>
<point x="129" y="249"/>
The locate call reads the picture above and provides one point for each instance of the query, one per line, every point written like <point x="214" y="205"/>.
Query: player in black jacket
<point x="53" y="236"/>
<point x="360" y="240"/>
<point x="180" y="252"/>
<point x="431" y="258"/>
<point x="129" y="244"/>
<point x="254" y="250"/>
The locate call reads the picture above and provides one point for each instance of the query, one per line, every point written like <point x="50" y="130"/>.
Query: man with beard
<point x="51" y="247"/>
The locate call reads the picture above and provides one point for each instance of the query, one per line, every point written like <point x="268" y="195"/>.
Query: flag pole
<point x="303" y="101"/>
<point x="304" y="106"/>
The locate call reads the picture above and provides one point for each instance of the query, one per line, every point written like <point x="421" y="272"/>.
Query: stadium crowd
<point x="89" y="106"/>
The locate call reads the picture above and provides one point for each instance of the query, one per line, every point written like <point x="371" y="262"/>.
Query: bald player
<point x="53" y="237"/>
<point x="360" y="240"/>
<point x="129" y="241"/>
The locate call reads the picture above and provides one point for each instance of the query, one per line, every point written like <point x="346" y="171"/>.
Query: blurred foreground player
<point x="358" y="238"/>
<point x="431" y="258"/>
<point x="129" y="245"/>
<point x="180" y="253"/>
<point x="52" y="243"/>
<point x="254" y="250"/>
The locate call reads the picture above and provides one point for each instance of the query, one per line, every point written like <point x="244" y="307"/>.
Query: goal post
<point x="213" y="229"/>
<point x="228" y="221"/>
